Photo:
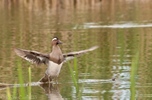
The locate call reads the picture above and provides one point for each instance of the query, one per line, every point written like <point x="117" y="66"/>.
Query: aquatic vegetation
<point x="22" y="94"/>
<point x="21" y="80"/>
<point x="74" y="73"/>
<point x="73" y="67"/>
<point x="134" y="67"/>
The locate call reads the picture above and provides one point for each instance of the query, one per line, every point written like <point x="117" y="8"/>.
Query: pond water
<point x="122" y="30"/>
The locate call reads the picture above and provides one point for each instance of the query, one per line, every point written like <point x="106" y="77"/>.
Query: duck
<point x="53" y="60"/>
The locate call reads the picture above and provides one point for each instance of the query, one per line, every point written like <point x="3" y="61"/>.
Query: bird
<point x="53" y="60"/>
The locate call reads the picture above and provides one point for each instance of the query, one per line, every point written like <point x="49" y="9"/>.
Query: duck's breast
<point x="53" y="69"/>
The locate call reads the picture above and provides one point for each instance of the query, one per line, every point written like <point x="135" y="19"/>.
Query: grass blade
<point x="8" y="94"/>
<point x="14" y="92"/>
<point x="74" y="74"/>
<point x="22" y="89"/>
<point x="29" y="87"/>
<point x="134" y="67"/>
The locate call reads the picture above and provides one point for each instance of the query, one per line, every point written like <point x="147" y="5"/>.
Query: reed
<point x="29" y="87"/>
<point x="74" y="73"/>
<point x="134" y="67"/>
<point x="14" y="92"/>
<point x="21" y="82"/>
<point x="22" y="91"/>
<point x="8" y="94"/>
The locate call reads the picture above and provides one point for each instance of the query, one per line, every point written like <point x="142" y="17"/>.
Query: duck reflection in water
<point x="52" y="91"/>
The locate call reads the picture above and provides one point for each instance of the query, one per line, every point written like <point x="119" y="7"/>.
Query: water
<point x="120" y="29"/>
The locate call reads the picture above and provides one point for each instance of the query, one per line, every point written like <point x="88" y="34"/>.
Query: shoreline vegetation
<point x="51" y="4"/>
<point x="66" y="4"/>
<point x="58" y="7"/>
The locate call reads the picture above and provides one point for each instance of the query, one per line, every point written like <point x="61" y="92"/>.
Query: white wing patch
<point x="30" y="60"/>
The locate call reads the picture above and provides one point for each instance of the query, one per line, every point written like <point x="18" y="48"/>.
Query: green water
<point x="120" y="29"/>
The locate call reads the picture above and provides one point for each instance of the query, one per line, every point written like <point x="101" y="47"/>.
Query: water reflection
<point x="52" y="91"/>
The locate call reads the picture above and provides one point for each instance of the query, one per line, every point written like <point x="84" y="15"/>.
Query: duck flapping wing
<point x="39" y="58"/>
<point x="32" y="56"/>
<point x="71" y="55"/>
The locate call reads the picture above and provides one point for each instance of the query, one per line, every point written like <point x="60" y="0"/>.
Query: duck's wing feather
<point x="32" y="56"/>
<point x="71" y="55"/>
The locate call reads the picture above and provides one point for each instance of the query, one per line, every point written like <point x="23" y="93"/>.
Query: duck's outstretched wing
<point x="32" y="56"/>
<point x="71" y="55"/>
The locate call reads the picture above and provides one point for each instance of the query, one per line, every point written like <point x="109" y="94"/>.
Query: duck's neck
<point x="56" y="49"/>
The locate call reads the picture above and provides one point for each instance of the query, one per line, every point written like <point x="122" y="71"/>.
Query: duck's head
<point x="56" y="41"/>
